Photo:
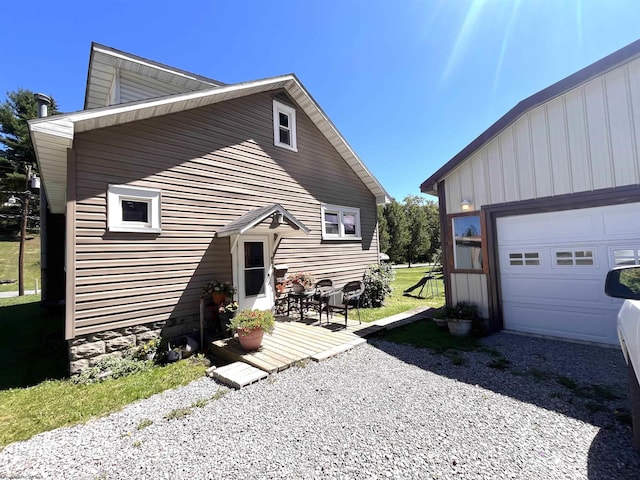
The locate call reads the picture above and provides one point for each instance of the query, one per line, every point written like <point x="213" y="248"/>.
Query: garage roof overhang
<point x="598" y="68"/>
<point x="272" y="218"/>
<point x="52" y="136"/>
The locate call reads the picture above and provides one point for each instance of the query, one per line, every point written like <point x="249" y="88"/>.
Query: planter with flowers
<point x="251" y="325"/>
<point x="300" y="281"/>
<point x="219" y="291"/>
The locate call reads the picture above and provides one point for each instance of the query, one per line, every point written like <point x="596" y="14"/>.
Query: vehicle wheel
<point x="634" y="399"/>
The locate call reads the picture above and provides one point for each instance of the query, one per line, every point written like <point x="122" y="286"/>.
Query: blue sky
<point x="407" y="83"/>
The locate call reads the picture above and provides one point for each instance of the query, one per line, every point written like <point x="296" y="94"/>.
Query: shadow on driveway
<point x="585" y="382"/>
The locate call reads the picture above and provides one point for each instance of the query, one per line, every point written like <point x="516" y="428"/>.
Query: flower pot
<point x="440" y="322"/>
<point x="297" y="288"/>
<point x="218" y="298"/>
<point x="459" y="327"/>
<point x="250" y="340"/>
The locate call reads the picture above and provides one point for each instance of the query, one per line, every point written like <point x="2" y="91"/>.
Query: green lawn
<point x="397" y="303"/>
<point x="9" y="248"/>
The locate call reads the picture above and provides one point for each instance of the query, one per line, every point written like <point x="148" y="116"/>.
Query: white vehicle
<point x="624" y="282"/>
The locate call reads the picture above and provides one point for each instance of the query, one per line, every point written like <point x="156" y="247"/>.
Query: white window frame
<point x="574" y="259"/>
<point x="279" y="108"/>
<point x="340" y="211"/>
<point x="526" y="262"/>
<point x="116" y="194"/>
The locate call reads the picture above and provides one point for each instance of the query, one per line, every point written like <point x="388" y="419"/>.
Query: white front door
<point x="253" y="272"/>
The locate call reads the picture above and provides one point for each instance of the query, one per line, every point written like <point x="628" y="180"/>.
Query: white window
<point x="133" y="209"/>
<point x="340" y="222"/>
<point x="574" y="258"/>
<point x="626" y="256"/>
<point x="524" y="259"/>
<point x="284" y="126"/>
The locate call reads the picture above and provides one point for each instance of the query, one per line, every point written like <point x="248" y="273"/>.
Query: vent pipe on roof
<point x="44" y="101"/>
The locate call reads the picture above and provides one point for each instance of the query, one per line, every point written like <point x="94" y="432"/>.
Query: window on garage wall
<point x="625" y="256"/>
<point x="575" y="257"/>
<point x="468" y="243"/>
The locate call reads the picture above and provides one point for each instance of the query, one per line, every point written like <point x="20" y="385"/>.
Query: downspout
<point x="43" y="104"/>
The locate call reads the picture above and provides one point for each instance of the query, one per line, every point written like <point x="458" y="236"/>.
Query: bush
<point x="377" y="283"/>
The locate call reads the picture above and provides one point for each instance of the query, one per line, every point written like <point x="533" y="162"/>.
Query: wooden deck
<point x="292" y="342"/>
<point x="295" y="341"/>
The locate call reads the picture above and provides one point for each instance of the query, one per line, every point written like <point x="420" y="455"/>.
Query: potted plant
<point x="300" y="281"/>
<point x="251" y="325"/>
<point x="440" y="317"/>
<point x="460" y="318"/>
<point x="219" y="291"/>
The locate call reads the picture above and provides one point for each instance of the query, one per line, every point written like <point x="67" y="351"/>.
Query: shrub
<point x="111" y="367"/>
<point x="377" y="282"/>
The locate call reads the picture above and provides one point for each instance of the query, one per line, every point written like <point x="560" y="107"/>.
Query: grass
<point x="51" y="404"/>
<point x="9" y="248"/>
<point x="32" y="342"/>
<point x="397" y="302"/>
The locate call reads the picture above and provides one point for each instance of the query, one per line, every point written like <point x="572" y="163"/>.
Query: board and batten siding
<point x="583" y="140"/>
<point x="212" y="165"/>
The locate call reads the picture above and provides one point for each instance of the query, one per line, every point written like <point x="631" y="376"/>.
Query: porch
<point x="295" y="341"/>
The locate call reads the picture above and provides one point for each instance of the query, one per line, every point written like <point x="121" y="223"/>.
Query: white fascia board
<point x="322" y="121"/>
<point x="57" y="126"/>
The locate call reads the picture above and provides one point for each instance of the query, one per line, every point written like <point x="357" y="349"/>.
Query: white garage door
<point x="553" y="266"/>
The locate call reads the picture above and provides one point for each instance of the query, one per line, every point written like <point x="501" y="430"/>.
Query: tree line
<point x="409" y="232"/>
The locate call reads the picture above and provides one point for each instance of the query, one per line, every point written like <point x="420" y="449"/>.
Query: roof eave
<point x="561" y="87"/>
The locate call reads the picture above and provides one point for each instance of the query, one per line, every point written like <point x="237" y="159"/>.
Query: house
<point x="169" y="179"/>
<point x="539" y="207"/>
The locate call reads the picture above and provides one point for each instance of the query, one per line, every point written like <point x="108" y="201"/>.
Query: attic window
<point x="340" y="223"/>
<point x="133" y="209"/>
<point x="284" y="126"/>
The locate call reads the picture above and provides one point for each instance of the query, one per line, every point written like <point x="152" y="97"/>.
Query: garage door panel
<point x="558" y="321"/>
<point x="586" y="292"/>
<point x="561" y="291"/>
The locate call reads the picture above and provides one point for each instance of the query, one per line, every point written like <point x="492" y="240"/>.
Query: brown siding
<point x="212" y="164"/>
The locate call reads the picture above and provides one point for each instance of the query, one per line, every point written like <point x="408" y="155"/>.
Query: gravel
<point x="379" y="411"/>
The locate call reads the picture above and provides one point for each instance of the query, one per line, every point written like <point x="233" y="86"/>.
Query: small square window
<point x="284" y="126"/>
<point x="133" y="209"/>
<point x="575" y="258"/>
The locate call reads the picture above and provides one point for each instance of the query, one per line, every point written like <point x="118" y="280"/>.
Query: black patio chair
<point x="351" y="295"/>
<point x="320" y="299"/>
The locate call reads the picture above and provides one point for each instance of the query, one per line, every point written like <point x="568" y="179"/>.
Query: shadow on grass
<point x="32" y="345"/>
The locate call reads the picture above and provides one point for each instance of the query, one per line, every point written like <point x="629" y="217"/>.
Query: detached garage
<point x="542" y="204"/>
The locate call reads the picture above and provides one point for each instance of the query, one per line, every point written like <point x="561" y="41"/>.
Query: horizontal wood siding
<point x="583" y="140"/>
<point x="212" y="164"/>
<point x="135" y="87"/>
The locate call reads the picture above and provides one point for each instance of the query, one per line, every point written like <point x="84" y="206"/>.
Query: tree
<point x="398" y="232"/>
<point x="433" y="229"/>
<point x="418" y="239"/>
<point x="383" y="230"/>
<point x="18" y="160"/>
<point x="15" y="142"/>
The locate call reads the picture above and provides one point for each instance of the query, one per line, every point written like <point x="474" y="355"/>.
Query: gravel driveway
<point x="379" y="411"/>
